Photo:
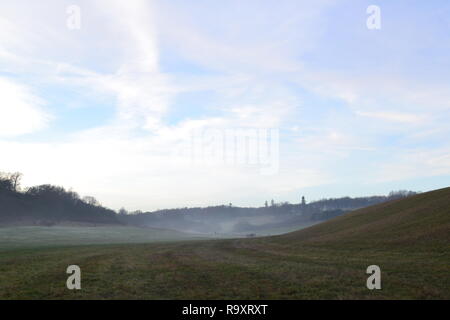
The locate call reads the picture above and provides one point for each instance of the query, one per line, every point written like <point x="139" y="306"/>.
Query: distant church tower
<point x="303" y="201"/>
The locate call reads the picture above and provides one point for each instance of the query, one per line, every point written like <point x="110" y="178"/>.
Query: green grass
<point x="13" y="238"/>
<point x="409" y="239"/>
<point x="277" y="230"/>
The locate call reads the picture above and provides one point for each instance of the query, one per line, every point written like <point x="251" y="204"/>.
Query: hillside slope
<point x="420" y="220"/>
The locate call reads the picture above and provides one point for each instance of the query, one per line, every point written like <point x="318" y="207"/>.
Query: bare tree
<point x="16" y="178"/>
<point x="91" y="201"/>
<point x="11" y="181"/>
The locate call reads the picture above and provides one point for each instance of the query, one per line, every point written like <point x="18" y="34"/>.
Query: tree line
<point x="47" y="204"/>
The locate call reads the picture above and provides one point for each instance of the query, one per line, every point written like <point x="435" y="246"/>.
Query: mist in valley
<point x="49" y="206"/>
<point x="271" y="219"/>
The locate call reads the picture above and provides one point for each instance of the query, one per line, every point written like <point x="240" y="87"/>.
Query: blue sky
<point x="110" y="109"/>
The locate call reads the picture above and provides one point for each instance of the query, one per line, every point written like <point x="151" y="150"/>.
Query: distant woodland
<point x="49" y="205"/>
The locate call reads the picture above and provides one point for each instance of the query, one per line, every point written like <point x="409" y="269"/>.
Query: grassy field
<point x="13" y="238"/>
<point x="409" y="239"/>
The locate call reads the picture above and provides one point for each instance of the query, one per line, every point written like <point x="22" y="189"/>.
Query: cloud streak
<point x="22" y="112"/>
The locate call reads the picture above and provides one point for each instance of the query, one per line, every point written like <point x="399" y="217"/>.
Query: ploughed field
<point x="408" y="239"/>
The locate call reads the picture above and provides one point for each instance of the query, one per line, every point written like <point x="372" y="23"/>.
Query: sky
<point x="151" y="104"/>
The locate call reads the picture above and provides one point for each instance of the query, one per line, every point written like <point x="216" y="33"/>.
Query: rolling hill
<point x="421" y="220"/>
<point x="408" y="239"/>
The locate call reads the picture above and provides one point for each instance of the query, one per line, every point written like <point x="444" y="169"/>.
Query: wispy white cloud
<point x="21" y="111"/>
<point x="393" y="116"/>
<point x="416" y="163"/>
